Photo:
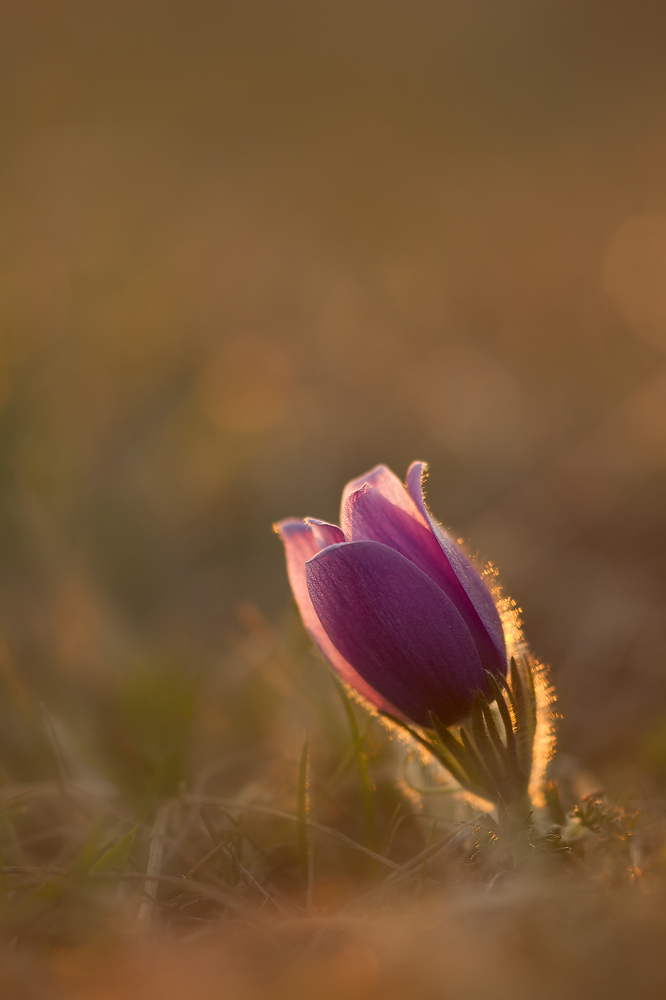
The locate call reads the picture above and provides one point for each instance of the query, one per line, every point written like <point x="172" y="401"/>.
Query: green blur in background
<point x="247" y="251"/>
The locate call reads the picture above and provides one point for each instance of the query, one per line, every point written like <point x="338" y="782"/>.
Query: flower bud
<point x="393" y="602"/>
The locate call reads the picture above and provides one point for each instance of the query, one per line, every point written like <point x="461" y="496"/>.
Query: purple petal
<point x="471" y="582"/>
<point x="397" y="628"/>
<point x="324" y="533"/>
<point x="416" y="476"/>
<point x="388" y="484"/>
<point x="369" y="516"/>
<point x="301" y="542"/>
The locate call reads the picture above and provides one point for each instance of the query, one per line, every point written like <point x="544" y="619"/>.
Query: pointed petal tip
<point x="382" y="479"/>
<point x="288" y="525"/>
<point x="324" y="533"/>
<point x="418" y="464"/>
<point x="416" y="476"/>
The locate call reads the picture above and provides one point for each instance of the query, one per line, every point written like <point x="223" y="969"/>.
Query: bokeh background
<point x="250" y="249"/>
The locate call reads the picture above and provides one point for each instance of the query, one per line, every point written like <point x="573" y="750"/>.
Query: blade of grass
<point x="63" y="776"/>
<point x="304" y="816"/>
<point x="219" y="894"/>
<point x="117" y="855"/>
<point x="216" y="849"/>
<point x="342" y="838"/>
<point x="250" y="880"/>
<point x="424" y="863"/>
<point x="361" y="760"/>
<point x="346" y="761"/>
<point x="208" y="823"/>
<point x="154" y="867"/>
<point x="393" y="826"/>
<point x="91" y="848"/>
<point x="64" y="783"/>
<point x="447" y="845"/>
<point x="218" y="842"/>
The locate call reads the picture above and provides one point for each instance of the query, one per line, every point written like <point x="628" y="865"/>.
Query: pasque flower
<point x="393" y="602"/>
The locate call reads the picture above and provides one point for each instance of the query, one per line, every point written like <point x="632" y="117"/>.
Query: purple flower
<point x="392" y="601"/>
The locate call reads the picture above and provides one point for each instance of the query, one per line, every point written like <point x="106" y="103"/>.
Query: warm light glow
<point x="635" y="276"/>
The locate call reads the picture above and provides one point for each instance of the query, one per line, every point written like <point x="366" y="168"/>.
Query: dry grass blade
<point x="216" y="894"/>
<point x="214" y="800"/>
<point x="154" y="867"/>
<point x="216" y="849"/>
<point x="409" y="868"/>
<point x="250" y="880"/>
<point x="362" y="768"/>
<point x="303" y="798"/>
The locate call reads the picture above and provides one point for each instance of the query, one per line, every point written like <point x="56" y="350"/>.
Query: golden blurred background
<point x="250" y="249"/>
